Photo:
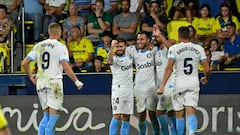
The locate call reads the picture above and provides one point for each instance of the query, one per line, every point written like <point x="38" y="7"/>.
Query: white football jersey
<point x="49" y="54"/>
<point x="160" y="63"/>
<point x="122" y="71"/>
<point x="144" y="63"/>
<point x="187" y="56"/>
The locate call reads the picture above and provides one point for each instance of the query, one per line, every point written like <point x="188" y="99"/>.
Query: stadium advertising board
<point x="91" y="115"/>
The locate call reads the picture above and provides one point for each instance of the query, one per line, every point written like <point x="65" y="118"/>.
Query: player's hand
<point x="203" y="80"/>
<point x="160" y="91"/>
<point x="33" y="79"/>
<point x="114" y="43"/>
<point x="78" y="84"/>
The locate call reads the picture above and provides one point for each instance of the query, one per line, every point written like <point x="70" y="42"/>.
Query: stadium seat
<point x="238" y="5"/>
<point x="29" y="31"/>
<point x="170" y="3"/>
<point x="214" y="6"/>
<point x="232" y="69"/>
<point x="172" y="28"/>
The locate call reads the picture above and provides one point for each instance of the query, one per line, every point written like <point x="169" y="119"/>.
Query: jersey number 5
<point x="188" y="67"/>
<point x="45" y="60"/>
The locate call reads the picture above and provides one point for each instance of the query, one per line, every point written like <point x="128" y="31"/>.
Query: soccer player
<point x="164" y="105"/>
<point x="184" y="58"/>
<point x="4" y="130"/>
<point x="52" y="58"/>
<point x="145" y="88"/>
<point x="122" y="87"/>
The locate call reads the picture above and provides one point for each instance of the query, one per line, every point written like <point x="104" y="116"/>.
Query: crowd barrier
<point x="88" y="112"/>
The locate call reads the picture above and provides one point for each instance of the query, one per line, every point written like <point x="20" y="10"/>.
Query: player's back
<point x="48" y="54"/>
<point x="187" y="56"/>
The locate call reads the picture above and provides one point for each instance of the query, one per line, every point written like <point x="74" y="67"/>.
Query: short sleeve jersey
<point x="81" y="50"/>
<point x="204" y="27"/>
<point x="122" y="71"/>
<point x="187" y="56"/>
<point x="144" y="63"/>
<point x="49" y="54"/>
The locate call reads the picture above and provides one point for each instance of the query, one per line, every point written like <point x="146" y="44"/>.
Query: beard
<point x="125" y="10"/>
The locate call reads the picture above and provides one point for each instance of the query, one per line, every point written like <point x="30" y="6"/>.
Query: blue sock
<point x="155" y="127"/>
<point x="163" y="121"/>
<point x="43" y="123"/>
<point x="180" y="126"/>
<point x="50" y="128"/>
<point x="113" y="127"/>
<point x="142" y="127"/>
<point x="125" y="128"/>
<point x="173" y="125"/>
<point x="192" y="123"/>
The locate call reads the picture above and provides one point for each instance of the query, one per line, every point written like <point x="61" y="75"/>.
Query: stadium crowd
<point x="89" y="26"/>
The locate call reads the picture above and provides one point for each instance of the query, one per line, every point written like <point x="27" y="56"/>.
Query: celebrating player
<point x="145" y="88"/>
<point x="52" y="58"/>
<point x="184" y="58"/>
<point x="122" y="87"/>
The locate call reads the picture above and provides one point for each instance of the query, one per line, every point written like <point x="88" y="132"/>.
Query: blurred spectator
<point x="72" y="20"/>
<point x="5" y="26"/>
<point x="98" y="22"/>
<point x="211" y="63"/>
<point x="204" y="25"/>
<point x="231" y="48"/>
<point x="12" y="8"/>
<point x="80" y="48"/>
<point x="137" y="7"/>
<point x="216" y="53"/>
<point x="110" y="6"/>
<point x="163" y="5"/>
<point x="97" y="65"/>
<point x="214" y="6"/>
<point x="155" y="17"/>
<point x="83" y="8"/>
<point x="183" y="8"/>
<point x="193" y="36"/>
<point x="125" y="24"/>
<point x="34" y="11"/>
<point x="103" y="48"/>
<point x="214" y="45"/>
<point x="54" y="10"/>
<point x="225" y="18"/>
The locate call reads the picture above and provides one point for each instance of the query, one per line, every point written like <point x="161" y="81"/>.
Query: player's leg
<point x="172" y="118"/>
<point x="53" y="117"/>
<point x="142" y="123"/>
<point x="154" y="122"/>
<point x="163" y="121"/>
<point x="125" y="127"/>
<point x="180" y="122"/>
<point x="43" y="122"/>
<point x="191" y="119"/>
<point x="113" y="127"/>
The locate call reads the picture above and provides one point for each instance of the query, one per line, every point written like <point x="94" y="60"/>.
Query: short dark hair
<point x="107" y="33"/>
<point x="99" y="58"/>
<point x="122" y="41"/>
<point x="76" y="26"/>
<point x="3" y="7"/>
<point x="183" y="32"/>
<point x="231" y="24"/>
<point x="145" y="33"/>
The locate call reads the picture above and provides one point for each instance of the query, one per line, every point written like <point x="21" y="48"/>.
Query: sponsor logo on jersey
<point x="124" y="68"/>
<point x="146" y="65"/>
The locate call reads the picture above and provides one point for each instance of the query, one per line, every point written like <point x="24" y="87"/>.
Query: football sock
<point x="192" y="123"/>
<point x="180" y="126"/>
<point x="173" y="125"/>
<point x="163" y="121"/>
<point x="142" y="127"/>
<point x="43" y="123"/>
<point x="113" y="127"/>
<point x="125" y="127"/>
<point x="50" y="128"/>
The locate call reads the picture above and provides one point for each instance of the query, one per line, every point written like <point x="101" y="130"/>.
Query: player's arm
<point x="71" y="75"/>
<point x="167" y="73"/>
<point x="111" y="52"/>
<point x="206" y="77"/>
<point x="26" y="68"/>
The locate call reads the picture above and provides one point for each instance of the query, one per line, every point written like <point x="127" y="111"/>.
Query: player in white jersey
<point x="164" y="105"/>
<point x="184" y="58"/>
<point x="122" y="87"/>
<point x="52" y="58"/>
<point x="144" y="83"/>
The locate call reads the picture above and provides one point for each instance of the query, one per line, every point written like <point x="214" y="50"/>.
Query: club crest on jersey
<point x="149" y="55"/>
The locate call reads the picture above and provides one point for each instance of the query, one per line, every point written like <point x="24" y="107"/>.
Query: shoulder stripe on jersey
<point x="61" y="60"/>
<point x="30" y="58"/>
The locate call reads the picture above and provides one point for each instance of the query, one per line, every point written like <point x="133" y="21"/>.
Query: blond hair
<point x="54" y="28"/>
